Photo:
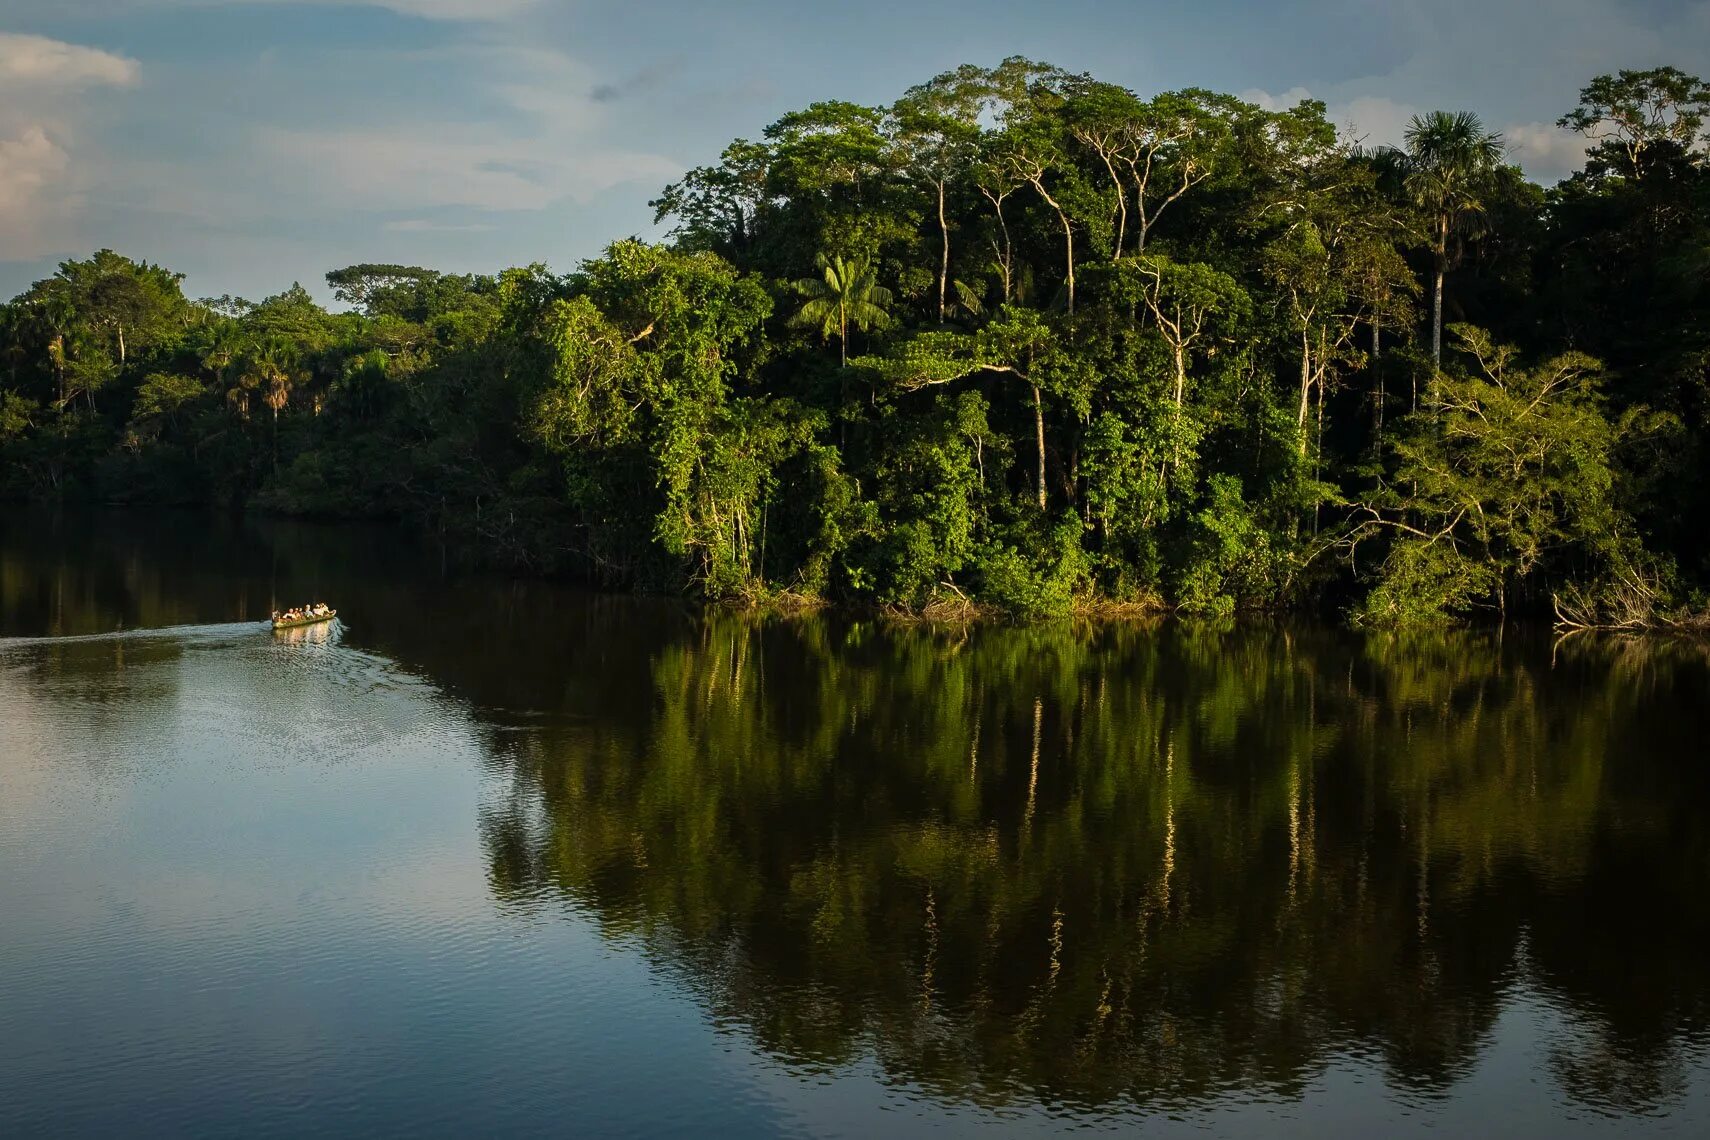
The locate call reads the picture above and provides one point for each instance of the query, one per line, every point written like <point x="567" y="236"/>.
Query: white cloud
<point x="33" y="215"/>
<point x="45" y="86"/>
<point x="1368" y="119"/>
<point x="38" y="63"/>
<point x="1374" y="120"/>
<point x="1518" y="73"/>
<point x="1270" y="102"/>
<point x="1547" y="152"/>
<point x="28" y="163"/>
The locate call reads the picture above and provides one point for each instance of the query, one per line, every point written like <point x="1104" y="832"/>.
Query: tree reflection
<point x="1094" y="864"/>
<point x="1128" y="862"/>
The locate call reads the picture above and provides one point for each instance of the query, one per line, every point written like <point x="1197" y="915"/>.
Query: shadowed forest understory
<point x="1022" y="340"/>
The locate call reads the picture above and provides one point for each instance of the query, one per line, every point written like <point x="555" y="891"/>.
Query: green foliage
<point x="846" y="296"/>
<point x="1509" y="476"/>
<point x="1632" y="112"/>
<point x="1045" y="579"/>
<point x="931" y="501"/>
<point x="1229" y="558"/>
<point x="1109" y="348"/>
<point x="17" y="415"/>
<point x="1422" y="582"/>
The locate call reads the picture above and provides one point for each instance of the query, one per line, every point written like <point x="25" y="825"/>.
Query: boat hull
<point x="302" y="623"/>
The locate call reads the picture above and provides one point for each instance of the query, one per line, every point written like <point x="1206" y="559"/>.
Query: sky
<point x="250" y="144"/>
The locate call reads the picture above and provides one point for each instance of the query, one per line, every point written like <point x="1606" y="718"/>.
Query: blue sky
<point x="253" y="143"/>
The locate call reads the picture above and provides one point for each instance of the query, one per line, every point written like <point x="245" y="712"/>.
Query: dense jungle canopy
<point x="1022" y="339"/>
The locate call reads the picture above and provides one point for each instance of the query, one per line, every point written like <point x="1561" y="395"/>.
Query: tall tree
<point x="1628" y="113"/>
<point x="936" y="133"/>
<point x="1447" y="164"/>
<point x="132" y="304"/>
<point x="720" y="208"/>
<point x="846" y="295"/>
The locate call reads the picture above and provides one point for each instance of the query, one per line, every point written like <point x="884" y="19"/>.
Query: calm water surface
<point x="492" y="858"/>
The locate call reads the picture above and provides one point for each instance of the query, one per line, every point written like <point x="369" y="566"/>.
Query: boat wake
<point x="199" y="633"/>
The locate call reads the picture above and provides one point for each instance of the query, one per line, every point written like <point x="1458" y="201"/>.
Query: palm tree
<point x="847" y="295"/>
<point x="265" y="369"/>
<point x="1447" y="165"/>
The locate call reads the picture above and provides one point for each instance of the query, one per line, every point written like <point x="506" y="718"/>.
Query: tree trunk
<point x="1039" y="439"/>
<point x="1069" y="246"/>
<point x="1305" y="387"/>
<point x="1005" y="254"/>
<point x="1121" y="206"/>
<point x="121" y="346"/>
<point x="1068" y="239"/>
<point x="1142" y="223"/>
<point x="944" y="264"/>
<point x="1378" y="399"/>
<point x="1318" y="442"/>
<point x="1437" y="295"/>
<point x="1181" y="373"/>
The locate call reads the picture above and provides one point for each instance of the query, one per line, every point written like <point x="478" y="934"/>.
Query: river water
<point x="488" y="857"/>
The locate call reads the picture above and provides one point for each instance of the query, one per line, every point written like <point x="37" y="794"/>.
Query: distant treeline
<point x="1021" y="340"/>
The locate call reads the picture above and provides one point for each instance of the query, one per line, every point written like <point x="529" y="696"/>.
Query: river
<point x="496" y="857"/>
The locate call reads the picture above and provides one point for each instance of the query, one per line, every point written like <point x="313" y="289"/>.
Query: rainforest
<point x="1021" y="342"/>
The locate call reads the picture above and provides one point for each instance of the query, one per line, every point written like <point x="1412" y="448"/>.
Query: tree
<point x="363" y="285"/>
<point x="847" y="295"/>
<point x="996" y="182"/>
<point x="1335" y="262"/>
<point x="1631" y="112"/>
<point x="1163" y="148"/>
<point x="266" y="368"/>
<point x="1031" y="153"/>
<point x="1511" y="475"/>
<point x="1447" y="166"/>
<point x="132" y="304"/>
<point x="833" y="164"/>
<point x="1103" y="118"/>
<point x="719" y="208"/>
<point x="936" y="133"/>
<point x="637" y="405"/>
<point x="1018" y="342"/>
<point x="1191" y="304"/>
<point x="16" y="416"/>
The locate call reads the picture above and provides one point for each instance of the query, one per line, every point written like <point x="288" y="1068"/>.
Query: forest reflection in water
<point x="1110" y="867"/>
<point x="1158" y="864"/>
